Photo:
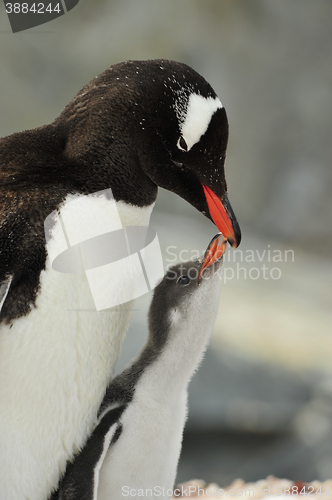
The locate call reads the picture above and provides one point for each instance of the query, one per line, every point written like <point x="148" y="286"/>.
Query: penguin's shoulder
<point x="29" y="193"/>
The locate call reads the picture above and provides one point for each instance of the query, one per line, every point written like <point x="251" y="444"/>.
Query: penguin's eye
<point x="182" y="144"/>
<point x="183" y="280"/>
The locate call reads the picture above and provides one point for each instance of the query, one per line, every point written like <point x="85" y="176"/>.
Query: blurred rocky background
<point x="262" y="401"/>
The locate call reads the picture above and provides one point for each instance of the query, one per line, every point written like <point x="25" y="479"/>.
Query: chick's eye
<point x="183" y="280"/>
<point x="182" y="144"/>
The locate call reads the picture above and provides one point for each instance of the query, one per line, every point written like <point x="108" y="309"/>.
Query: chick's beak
<point x="223" y="216"/>
<point x="213" y="253"/>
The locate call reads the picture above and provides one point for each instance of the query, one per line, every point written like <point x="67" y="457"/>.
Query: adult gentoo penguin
<point x="137" y="126"/>
<point x="134" y="449"/>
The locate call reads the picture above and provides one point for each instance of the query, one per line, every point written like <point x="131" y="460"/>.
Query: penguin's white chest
<point x="55" y="364"/>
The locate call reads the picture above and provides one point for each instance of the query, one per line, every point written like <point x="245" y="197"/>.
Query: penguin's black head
<point x="156" y="123"/>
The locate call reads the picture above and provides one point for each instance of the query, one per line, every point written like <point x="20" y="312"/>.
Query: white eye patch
<point x="194" y="123"/>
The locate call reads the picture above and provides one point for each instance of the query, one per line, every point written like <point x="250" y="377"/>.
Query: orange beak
<point x="213" y="252"/>
<point x="223" y="216"/>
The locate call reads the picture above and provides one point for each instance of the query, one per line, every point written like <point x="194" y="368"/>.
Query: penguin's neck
<point x="167" y="369"/>
<point x="178" y="361"/>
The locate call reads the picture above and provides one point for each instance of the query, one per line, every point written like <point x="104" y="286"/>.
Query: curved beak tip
<point x="223" y="216"/>
<point x="234" y="242"/>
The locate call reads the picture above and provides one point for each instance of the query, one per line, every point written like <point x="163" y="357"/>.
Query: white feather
<point x="197" y="118"/>
<point x="4" y="289"/>
<point x="107" y="442"/>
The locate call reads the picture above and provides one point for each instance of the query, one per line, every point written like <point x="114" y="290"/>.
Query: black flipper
<point x="81" y="479"/>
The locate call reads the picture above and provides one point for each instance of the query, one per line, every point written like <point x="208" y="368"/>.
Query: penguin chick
<point x="135" y="446"/>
